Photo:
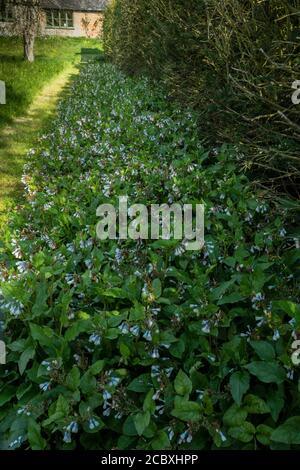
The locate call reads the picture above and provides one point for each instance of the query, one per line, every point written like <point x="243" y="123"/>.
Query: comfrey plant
<point x="141" y="343"/>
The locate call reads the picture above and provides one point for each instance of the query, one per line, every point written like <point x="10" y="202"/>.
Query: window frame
<point x="64" y="19"/>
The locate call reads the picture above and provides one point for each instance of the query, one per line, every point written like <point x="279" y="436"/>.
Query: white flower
<point x="205" y="326"/>
<point x="124" y="328"/>
<point x="96" y="339"/>
<point x="73" y="427"/>
<point x="45" y="386"/>
<point x="135" y="330"/>
<point x="147" y="335"/>
<point x="93" y="423"/>
<point x="276" y="335"/>
<point x="155" y="353"/>
<point x="67" y="437"/>
<point x="106" y="395"/>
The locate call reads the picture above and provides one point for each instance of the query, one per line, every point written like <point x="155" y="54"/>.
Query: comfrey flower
<point x="93" y="423"/>
<point x="155" y="371"/>
<point x="23" y="410"/>
<point x="147" y="335"/>
<point x="160" y="409"/>
<point x="45" y="386"/>
<point x="276" y="335"/>
<point x="282" y="233"/>
<point x="118" y="255"/>
<point x="16" y="443"/>
<point x="14" y="307"/>
<point x="107" y="410"/>
<point x="95" y="339"/>
<point x="170" y="433"/>
<point x="156" y="395"/>
<point x="114" y="381"/>
<point x="88" y="263"/>
<point x="186" y="436"/>
<point x="169" y="371"/>
<point x="222" y="435"/>
<point x="248" y="332"/>
<point x="179" y="250"/>
<point x="154" y="353"/>
<point x="135" y="330"/>
<point x="106" y="395"/>
<point x="124" y="328"/>
<point x="67" y="437"/>
<point x="258" y="297"/>
<point x="205" y="326"/>
<point x="72" y="427"/>
<point x="22" y="266"/>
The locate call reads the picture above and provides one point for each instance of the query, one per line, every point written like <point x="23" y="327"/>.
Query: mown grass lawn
<point x="24" y="80"/>
<point x="32" y="90"/>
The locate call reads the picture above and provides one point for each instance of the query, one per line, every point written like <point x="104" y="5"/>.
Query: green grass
<point x="32" y="91"/>
<point x="24" y="80"/>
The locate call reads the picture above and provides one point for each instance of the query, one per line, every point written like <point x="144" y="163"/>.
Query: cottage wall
<point x="85" y="25"/>
<point x="88" y="25"/>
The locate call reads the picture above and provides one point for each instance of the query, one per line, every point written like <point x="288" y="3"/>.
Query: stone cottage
<point x="69" y="18"/>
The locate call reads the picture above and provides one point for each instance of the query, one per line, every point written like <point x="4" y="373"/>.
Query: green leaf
<point x="40" y="306"/>
<point x="244" y="433"/>
<point x="124" y="350"/>
<point x="235" y="415"/>
<point x="160" y="441"/>
<point x="149" y="403"/>
<point x="177" y="349"/>
<point x="62" y="405"/>
<point x="182" y="384"/>
<point x="36" y="441"/>
<point x="97" y="367"/>
<point x="186" y="410"/>
<point x="255" y="405"/>
<point x="231" y="298"/>
<point x="288" y="432"/>
<point x="267" y="372"/>
<point x="263" y="434"/>
<point x="88" y="383"/>
<point x="6" y="394"/>
<point x="80" y="326"/>
<point x="275" y="401"/>
<point x="73" y="379"/>
<point x="129" y="428"/>
<point x="25" y="357"/>
<point x="157" y="288"/>
<point x="141" y="421"/>
<point x="137" y="313"/>
<point x="140" y="384"/>
<point x="264" y="350"/>
<point x="42" y="334"/>
<point x="239" y="384"/>
<point x="54" y="418"/>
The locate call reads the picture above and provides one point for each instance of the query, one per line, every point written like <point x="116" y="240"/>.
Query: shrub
<point x="233" y="61"/>
<point x="139" y="344"/>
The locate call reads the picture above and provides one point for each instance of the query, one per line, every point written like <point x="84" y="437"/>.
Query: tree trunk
<point x="28" y="39"/>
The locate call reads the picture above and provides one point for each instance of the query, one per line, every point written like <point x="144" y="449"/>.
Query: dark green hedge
<point x="233" y="61"/>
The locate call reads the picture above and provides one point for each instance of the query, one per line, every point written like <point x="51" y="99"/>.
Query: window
<point x="59" y="19"/>
<point x="6" y="13"/>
